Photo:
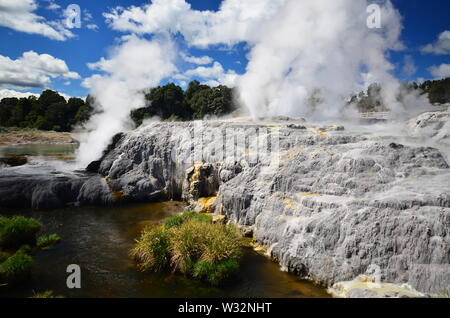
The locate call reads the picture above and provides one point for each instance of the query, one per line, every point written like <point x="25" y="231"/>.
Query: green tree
<point x="6" y="108"/>
<point x="215" y="101"/>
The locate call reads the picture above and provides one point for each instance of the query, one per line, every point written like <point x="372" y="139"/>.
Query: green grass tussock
<point x="47" y="242"/>
<point x="46" y="294"/>
<point x="177" y="220"/>
<point x="151" y="251"/>
<point x="16" y="268"/>
<point x="17" y="231"/>
<point x="17" y="245"/>
<point x="193" y="245"/>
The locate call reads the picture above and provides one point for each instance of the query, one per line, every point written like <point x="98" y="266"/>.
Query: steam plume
<point x="314" y="54"/>
<point x="134" y="65"/>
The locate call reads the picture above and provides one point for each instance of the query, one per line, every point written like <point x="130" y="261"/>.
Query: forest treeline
<point x="51" y="111"/>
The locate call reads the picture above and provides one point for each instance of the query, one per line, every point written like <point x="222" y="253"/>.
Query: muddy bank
<point x="35" y="137"/>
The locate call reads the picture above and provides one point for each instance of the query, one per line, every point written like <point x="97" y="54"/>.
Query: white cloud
<point x="203" y="60"/>
<point x="213" y="75"/>
<point x="33" y="70"/>
<point x="52" y="5"/>
<point x="235" y="21"/>
<point x="441" y="71"/>
<point x="4" y="93"/>
<point x="89" y="20"/>
<point x="441" y="46"/>
<point x="409" y="67"/>
<point x="92" y="26"/>
<point x="19" y="15"/>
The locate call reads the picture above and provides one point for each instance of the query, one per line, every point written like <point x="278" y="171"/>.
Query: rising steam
<point x="306" y="58"/>
<point x="134" y="65"/>
<point x="314" y="54"/>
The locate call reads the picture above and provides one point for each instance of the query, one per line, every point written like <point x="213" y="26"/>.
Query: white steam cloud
<point x="320" y="51"/>
<point x="306" y="57"/>
<point x="134" y="65"/>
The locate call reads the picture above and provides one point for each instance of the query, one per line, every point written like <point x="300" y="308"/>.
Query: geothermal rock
<point x="328" y="206"/>
<point x="431" y="126"/>
<point x="43" y="191"/>
<point x="334" y="204"/>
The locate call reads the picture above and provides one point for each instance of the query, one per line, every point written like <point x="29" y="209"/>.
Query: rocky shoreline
<point x="334" y="204"/>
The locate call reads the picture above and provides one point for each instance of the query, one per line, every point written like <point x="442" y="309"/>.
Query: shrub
<point x="152" y="249"/>
<point x="47" y="242"/>
<point x="16" y="269"/>
<point x="193" y="245"/>
<point x="17" y="231"/>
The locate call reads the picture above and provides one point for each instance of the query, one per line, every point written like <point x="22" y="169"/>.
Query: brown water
<point x="99" y="239"/>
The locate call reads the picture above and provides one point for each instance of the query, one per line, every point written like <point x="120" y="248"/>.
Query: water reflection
<point x="99" y="239"/>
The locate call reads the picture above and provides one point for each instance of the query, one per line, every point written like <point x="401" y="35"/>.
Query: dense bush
<point x="192" y="245"/>
<point x="17" y="231"/>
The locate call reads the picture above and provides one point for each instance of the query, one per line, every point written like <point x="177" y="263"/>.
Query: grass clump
<point x="193" y="245"/>
<point x="16" y="268"/>
<point x="177" y="220"/>
<point x="18" y="238"/>
<point x="3" y="257"/>
<point x="151" y="251"/>
<point x="46" y="294"/>
<point x="47" y="242"/>
<point x="215" y="274"/>
<point x="17" y="231"/>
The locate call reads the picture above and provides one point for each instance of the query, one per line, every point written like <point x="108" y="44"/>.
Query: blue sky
<point x="423" y="21"/>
